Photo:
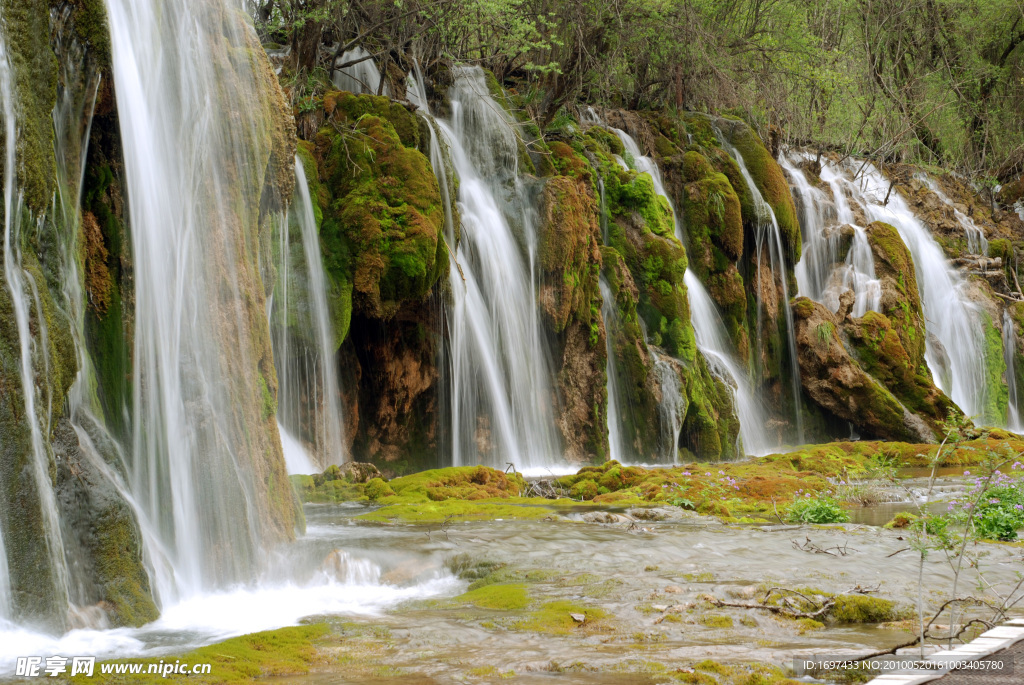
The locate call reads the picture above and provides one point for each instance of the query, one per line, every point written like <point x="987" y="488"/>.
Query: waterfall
<point x="1014" y="420"/>
<point x="616" y="449"/>
<point x="308" y="407"/>
<point x="363" y="77"/>
<point x="768" y="239"/>
<point x="712" y="340"/>
<point x="194" y="150"/>
<point x="51" y="581"/>
<point x="714" y="343"/>
<point x="976" y="241"/>
<point x="819" y="274"/>
<point x="499" y="389"/>
<point x="646" y="165"/>
<point x="955" y="349"/>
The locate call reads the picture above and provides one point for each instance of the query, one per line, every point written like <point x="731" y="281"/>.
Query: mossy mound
<point x="771" y="182"/>
<point x="569" y="256"/>
<point x="460" y="482"/>
<point x="497" y="596"/>
<point x="383" y="229"/>
<point x="881" y="353"/>
<point x="836" y="382"/>
<point x="901" y="299"/>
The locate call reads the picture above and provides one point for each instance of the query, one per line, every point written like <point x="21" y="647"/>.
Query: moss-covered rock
<point x="880" y="352"/>
<point x="100" y="531"/>
<point x="837" y="383"/>
<point x="27" y="30"/>
<point x="383" y="229"/>
<point x="901" y="299"/>
<point x="770" y="181"/>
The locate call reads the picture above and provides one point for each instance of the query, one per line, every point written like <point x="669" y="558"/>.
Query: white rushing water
<point x="343" y="584"/>
<point x="714" y="343"/>
<point x="24" y="298"/>
<point x="189" y="127"/>
<point x="768" y="243"/>
<point x="955" y="349"/>
<point x="309" y="395"/>
<point x="616" y="448"/>
<point x="820" y="273"/>
<point x="362" y="77"/>
<point x="976" y="241"/>
<point x="499" y="390"/>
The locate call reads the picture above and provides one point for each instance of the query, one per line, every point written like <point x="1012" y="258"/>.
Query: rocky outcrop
<point x="901" y="299"/>
<point x="570" y="261"/>
<point x="645" y="264"/>
<point x="381" y="220"/>
<point x="835" y="381"/>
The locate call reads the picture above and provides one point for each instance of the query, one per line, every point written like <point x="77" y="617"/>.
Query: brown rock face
<point x="570" y="261"/>
<point x="397" y="391"/>
<point x="837" y="383"/>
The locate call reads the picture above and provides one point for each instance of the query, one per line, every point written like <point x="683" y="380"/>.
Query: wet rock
<point x="101" y="534"/>
<point x="606" y="517"/>
<point x="359" y="472"/>
<point x="837" y="383"/>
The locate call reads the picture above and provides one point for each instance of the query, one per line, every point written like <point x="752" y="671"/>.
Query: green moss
<point x="376" y="489"/>
<point x="283" y="652"/>
<point x="880" y="351"/>
<point x="864" y="609"/>
<point x="89" y="22"/>
<point x="497" y="596"/>
<point x="997" y="392"/>
<point x="568" y="254"/>
<point x="308" y="490"/>
<point x="269" y="402"/>
<point x="772" y="184"/>
<point x="459" y="510"/>
<point x="715" y="621"/>
<point x="382" y="234"/>
<point x="555" y="618"/>
<point x="27" y="28"/>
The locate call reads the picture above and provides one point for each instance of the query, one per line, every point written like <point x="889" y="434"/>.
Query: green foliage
<point x="817" y="510"/>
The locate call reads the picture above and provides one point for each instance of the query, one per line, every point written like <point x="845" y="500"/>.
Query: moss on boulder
<point x="770" y="181"/>
<point x="383" y="228"/>
<point x="836" y="382"/>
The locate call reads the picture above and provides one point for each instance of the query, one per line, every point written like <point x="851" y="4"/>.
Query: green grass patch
<point x="555" y="618"/>
<point x="497" y="596"/>
<point x="286" y="651"/>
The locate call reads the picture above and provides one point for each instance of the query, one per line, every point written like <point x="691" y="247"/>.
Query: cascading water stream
<point x="362" y="77"/>
<point x="191" y="134"/>
<point x="714" y="343"/>
<point x="499" y="388"/>
<point x="768" y="239"/>
<point x="616" y="448"/>
<point x="955" y="350"/>
<point x="819" y="274"/>
<point x="976" y="241"/>
<point x="304" y="345"/>
<point x="52" y="580"/>
<point x="1014" y="419"/>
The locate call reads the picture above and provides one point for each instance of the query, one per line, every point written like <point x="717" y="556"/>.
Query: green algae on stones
<point x="283" y="652"/>
<point x="497" y="596"/>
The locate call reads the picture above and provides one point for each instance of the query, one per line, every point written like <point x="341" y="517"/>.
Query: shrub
<point x="817" y="510"/>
